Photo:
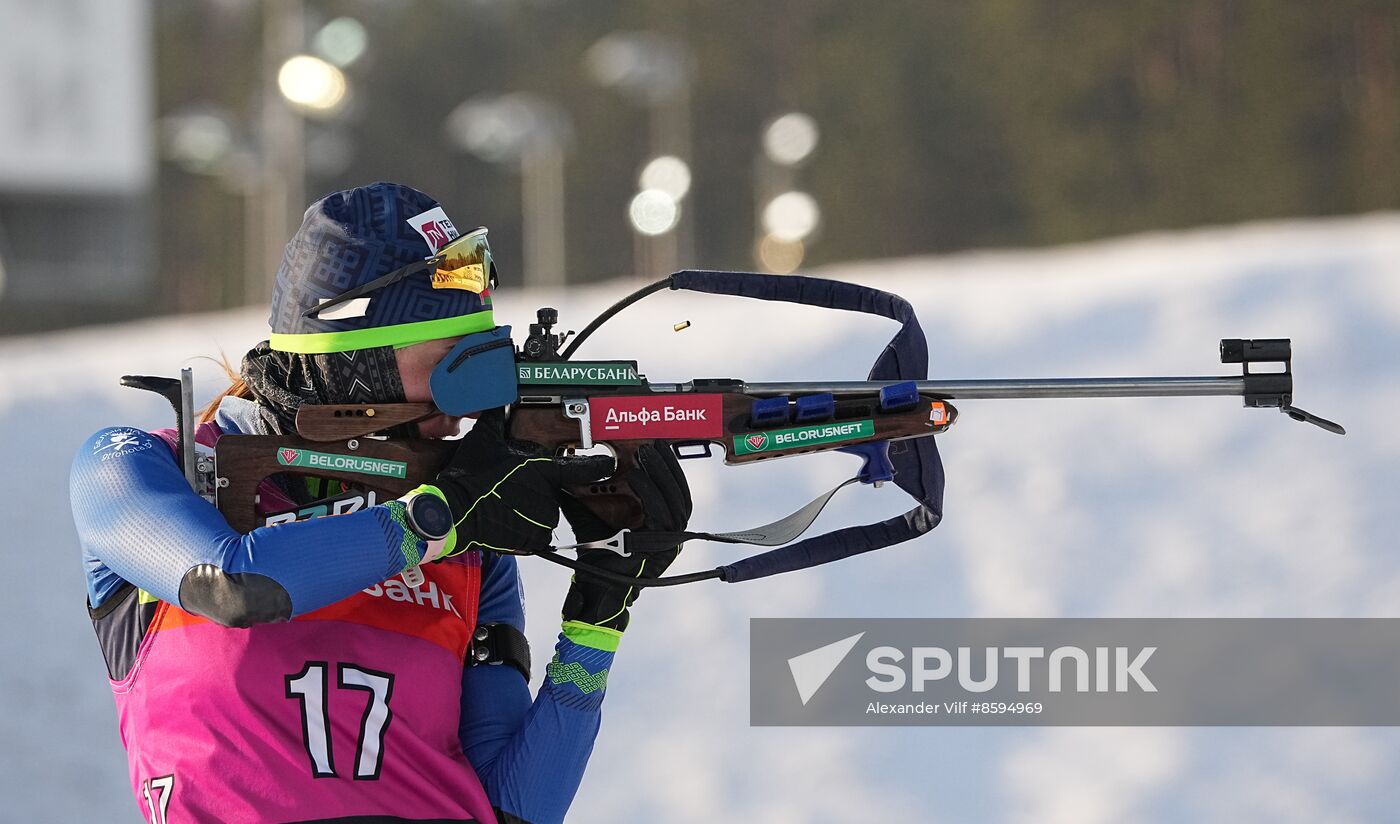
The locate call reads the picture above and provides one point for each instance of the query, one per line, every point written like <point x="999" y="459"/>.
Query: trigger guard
<point x="598" y="449"/>
<point x="876" y="468"/>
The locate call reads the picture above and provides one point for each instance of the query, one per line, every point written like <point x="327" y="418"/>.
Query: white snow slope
<point x="1182" y="507"/>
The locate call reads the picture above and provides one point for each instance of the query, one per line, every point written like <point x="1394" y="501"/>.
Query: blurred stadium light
<point x="342" y="41"/>
<point x="791" y="216"/>
<point x="668" y="173"/>
<point x="314" y="86"/>
<point x="781" y="257"/>
<point x="790" y="139"/>
<point x="653" y="212"/>
<point x="531" y="132"/>
<point x="198" y="139"/>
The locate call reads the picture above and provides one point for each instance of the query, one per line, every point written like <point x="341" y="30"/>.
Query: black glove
<point x="666" y="506"/>
<point x="504" y="495"/>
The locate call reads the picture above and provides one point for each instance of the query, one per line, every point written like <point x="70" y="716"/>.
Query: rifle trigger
<point x="577" y="408"/>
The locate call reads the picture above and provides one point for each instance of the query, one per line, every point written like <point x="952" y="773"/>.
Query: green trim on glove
<point x="592" y="636"/>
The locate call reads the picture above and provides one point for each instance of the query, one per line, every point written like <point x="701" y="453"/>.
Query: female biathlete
<point x="307" y="671"/>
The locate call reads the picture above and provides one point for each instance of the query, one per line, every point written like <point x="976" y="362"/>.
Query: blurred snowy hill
<point x="1132" y="508"/>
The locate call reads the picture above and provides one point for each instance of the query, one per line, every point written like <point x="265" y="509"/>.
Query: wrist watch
<point x="428" y="516"/>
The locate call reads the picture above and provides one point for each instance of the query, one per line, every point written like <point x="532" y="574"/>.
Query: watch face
<point x="430" y="516"/>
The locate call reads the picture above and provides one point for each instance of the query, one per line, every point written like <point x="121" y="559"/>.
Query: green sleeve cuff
<point x="451" y="545"/>
<point x="591" y="636"/>
<point x="409" y="543"/>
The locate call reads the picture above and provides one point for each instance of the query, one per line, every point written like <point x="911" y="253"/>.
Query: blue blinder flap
<point x="478" y="374"/>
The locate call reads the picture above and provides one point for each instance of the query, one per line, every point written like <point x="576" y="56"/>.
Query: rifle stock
<point x="388" y="468"/>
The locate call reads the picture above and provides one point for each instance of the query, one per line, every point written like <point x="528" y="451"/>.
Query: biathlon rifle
<point x="565" y="404"/>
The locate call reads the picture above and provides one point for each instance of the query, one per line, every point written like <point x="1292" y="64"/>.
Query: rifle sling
<point x="918" y="469"/>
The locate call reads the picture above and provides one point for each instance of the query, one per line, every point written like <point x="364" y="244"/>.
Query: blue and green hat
<point x="350" y="238"/>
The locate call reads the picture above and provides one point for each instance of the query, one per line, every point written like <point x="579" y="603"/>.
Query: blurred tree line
<point x="945" y="125"/>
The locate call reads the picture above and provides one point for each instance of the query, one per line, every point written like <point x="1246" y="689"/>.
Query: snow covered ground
<point x="1183" y="507"/>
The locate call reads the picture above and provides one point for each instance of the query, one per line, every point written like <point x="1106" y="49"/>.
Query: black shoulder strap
<point x="494" y="644"/>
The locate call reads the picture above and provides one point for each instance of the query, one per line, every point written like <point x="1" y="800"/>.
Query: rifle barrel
<point x="1027" y="387"/>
